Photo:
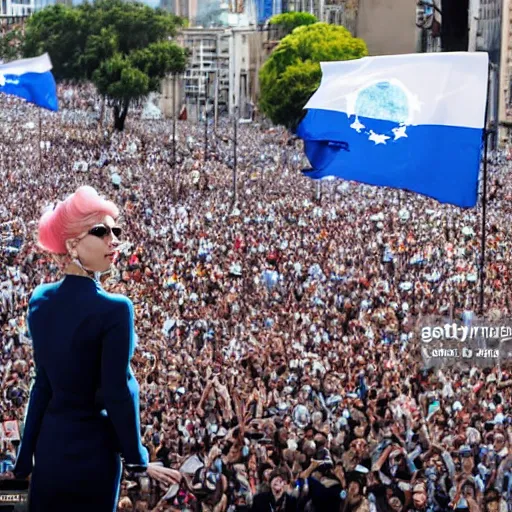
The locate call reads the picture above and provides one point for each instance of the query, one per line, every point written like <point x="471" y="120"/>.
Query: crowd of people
<point x="277" y="320"/>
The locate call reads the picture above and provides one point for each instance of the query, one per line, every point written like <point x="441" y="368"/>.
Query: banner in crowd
<point x="32" y="80"/>
<point x="411" y="122"/>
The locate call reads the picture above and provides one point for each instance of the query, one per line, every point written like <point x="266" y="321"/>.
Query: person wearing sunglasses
<point x="83" y="411"/>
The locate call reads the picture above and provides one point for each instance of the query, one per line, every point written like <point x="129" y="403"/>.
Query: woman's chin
<point x="105" y="268"/>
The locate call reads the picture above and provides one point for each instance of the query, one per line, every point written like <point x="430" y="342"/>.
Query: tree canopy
<point x="292" y="72"/>
<point x="288" y="21"/>
<point x="10" y="44"/>
<point x="125" y="48"/>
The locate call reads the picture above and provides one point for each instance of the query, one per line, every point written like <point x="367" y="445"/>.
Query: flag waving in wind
<point x="412" y="122"/>
<point x="32" y="80"/>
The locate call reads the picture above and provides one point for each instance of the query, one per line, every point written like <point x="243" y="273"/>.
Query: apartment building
<point x="222" y="72"/>
<point x="505" y="101"/>
<point x="185" y="8"/>
<point x="17" y="7"/>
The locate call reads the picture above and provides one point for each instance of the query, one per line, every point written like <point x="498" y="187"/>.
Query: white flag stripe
<point x="447" y="89"/>
<point x="40" y="64"/>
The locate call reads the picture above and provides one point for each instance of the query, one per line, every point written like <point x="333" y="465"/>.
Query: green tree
<point x="288" y="21"/>
<point x="125" y="48"/>
<point x="292" y="72"/>
<point x="11" y="45"/>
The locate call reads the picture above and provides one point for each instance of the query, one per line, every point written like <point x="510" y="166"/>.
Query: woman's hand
<point x="164" y="475"/>
<point x="8" y="475"/>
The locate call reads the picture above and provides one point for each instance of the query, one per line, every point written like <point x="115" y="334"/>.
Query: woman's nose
<point x="113" y="241"/>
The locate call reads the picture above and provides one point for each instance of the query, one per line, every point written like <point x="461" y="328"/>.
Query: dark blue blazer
<point x="83" y="411"/>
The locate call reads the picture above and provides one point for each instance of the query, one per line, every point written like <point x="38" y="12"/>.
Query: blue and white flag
<point x="412" y="122"/>
<point x="32" y="80"/>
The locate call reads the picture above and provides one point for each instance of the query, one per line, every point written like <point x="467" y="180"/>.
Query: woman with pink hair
<point x="83" y="412"/>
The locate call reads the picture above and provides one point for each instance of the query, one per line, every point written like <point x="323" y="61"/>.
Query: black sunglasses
<point x="102" y="231"/>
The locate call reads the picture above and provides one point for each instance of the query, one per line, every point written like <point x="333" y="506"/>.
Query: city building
<point x="184" y="8"/>
<point x="505" y="81"/>
<point x="376" y="21"/>
<point x="485" y="27"/>
<point x="222" y="72"/>
<point x="17" y="8"/>
<point x="388" y="28"/>
<point x="485" y="22"/>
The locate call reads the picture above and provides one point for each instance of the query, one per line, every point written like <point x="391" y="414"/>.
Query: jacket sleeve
<point x="120" y="388"/>
<point x="40" y="395"/>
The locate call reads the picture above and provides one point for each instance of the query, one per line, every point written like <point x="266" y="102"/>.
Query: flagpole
<point x="174" y="94"/>
<point x="484" y="219"/>
<point x="40" y="142"/>
<point x="206" y="118"/>
<point x="235" y="163"/>
<point x="174" y="172"/>
<point x="484" y="198"/>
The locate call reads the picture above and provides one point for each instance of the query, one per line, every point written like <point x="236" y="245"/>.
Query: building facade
<point x="388" y="28"/>
<point x="17" y="7"/>
<point x="222" y="73"/>
<point x="27" y="7"/>
<point x="185" y="8"/>
<point x="505" y="87"/>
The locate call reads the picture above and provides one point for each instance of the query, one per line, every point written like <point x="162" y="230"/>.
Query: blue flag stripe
<point x="441" y="162"/>
<point x="37" y="88"/>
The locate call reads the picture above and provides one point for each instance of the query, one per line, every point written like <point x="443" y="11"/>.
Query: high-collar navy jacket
<point x="83" y="412"/>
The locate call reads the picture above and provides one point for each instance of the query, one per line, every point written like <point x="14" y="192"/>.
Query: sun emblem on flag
<point x="383" y="100"/>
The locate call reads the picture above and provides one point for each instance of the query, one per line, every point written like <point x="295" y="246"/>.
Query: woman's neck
<point x="75" y="270"/>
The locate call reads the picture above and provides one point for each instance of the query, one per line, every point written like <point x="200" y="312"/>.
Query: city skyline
<point x="204" y="13"/>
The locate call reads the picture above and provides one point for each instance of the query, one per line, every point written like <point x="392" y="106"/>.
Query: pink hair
<point x="72" y="217"/>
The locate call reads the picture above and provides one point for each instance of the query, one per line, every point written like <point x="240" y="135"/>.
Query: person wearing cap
<point x="278" y="499"/>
